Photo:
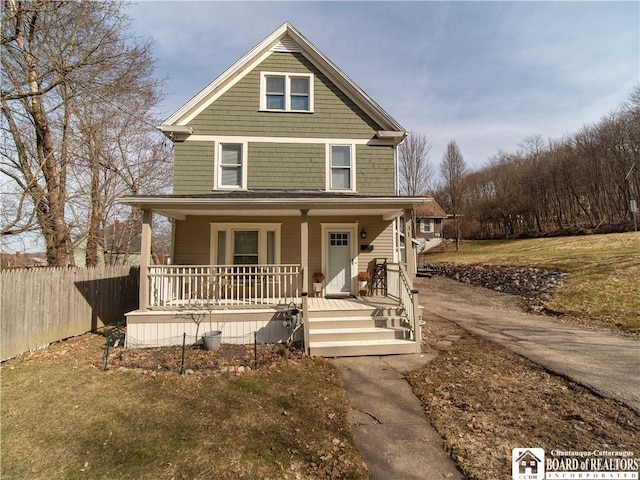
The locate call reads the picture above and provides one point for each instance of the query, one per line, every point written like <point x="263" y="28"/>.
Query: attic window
<point x="286" y="92"/>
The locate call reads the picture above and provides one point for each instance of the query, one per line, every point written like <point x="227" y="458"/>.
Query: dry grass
<point x="603" y="286"/>
<point x="63" y="417"/>
<point x="485" y="400"/>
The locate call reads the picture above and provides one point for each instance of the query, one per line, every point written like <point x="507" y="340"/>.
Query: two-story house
<point x="284" y="168"/>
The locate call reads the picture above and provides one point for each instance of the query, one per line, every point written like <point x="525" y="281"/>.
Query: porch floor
<point x="316" y="304"/>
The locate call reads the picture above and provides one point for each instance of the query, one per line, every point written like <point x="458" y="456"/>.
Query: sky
<point x="485" y="74"/>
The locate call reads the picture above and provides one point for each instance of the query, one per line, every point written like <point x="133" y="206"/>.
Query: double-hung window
<point x="341" y="168"/>
<point x="275" y="93"/>
<point x="245" y="244"/>
<point x="286" y="92"/>
<point x="231" y="166"/>
<point x="426" y="225"/>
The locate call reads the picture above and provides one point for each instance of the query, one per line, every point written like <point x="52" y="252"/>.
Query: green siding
<point x="286" y="166"/>
<point x="193" y="168"/>
<point x="283" y="165"/>
<point x="236" y="112"/>
<point x="374" y="170"/>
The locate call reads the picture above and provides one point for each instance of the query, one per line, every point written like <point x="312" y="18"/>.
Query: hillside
<point x="603" y="286"/>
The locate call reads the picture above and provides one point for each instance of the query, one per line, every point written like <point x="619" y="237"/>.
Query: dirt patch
<point x="229" y="358"/>
<point x="485" y="400"/>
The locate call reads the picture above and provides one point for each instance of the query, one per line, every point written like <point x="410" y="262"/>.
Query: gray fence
<point x="44" y="305"/>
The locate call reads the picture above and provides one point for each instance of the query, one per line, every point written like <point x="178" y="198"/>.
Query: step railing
<point x="206" y="285"/>
<point x="400" y="287"/>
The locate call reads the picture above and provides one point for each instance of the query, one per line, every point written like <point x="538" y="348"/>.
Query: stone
<point x="443" y="345"/>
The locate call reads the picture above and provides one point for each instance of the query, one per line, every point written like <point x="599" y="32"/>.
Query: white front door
<point x="338" y="262"/>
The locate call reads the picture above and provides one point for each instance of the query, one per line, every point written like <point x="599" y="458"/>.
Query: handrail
<point x="400" y="287"/>
<point x="198" y="285"/>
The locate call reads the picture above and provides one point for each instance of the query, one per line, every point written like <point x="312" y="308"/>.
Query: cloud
<point x="487" y="74"/>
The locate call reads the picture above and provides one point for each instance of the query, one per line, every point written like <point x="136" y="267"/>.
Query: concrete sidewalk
<point x="390" y="427"/>
<point x="607" y="363"/>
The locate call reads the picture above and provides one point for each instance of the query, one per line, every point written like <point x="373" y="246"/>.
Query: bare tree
<point x="453" y="170"/>
<point x="70" y="70"/>
<point x="416" y="171"/>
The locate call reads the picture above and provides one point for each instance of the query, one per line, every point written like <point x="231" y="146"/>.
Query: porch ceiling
<point x="266" y="204"/>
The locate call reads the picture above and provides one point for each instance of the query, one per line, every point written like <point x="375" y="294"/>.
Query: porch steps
<point x="356" y="348"/>
<point x="373" y="333"/>
<point x="351" y="321"/>
<point x="358" y="334"/>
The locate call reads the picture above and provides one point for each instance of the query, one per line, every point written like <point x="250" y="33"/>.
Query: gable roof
<point x="285" y="39"/>
<point x="430" y="209"/>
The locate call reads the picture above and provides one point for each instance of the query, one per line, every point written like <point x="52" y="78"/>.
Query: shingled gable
<point x="285" y="38"/>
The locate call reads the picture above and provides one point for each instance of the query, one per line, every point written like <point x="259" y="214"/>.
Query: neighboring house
<point x="429" y="218"/>
<point x="19" y="260"/>
<point x="80" y="253"/>
<point x="122" y="245"/>
<point x="118" y="245"/>
<point x="283" y="168"/>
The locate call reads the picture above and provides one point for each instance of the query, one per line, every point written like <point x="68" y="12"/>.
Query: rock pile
<point x="535" y="285"/>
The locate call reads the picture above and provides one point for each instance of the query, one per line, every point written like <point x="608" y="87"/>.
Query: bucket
<point x="212" y="340"/>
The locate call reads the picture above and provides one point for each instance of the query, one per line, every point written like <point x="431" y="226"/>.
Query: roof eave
<point x="177" y="133"/>
<point x="364" y="101"/>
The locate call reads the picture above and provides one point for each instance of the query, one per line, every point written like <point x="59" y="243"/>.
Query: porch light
<point x="363" y="233"/>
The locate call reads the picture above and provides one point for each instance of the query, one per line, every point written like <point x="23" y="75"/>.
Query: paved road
<point x="607" y="363"/>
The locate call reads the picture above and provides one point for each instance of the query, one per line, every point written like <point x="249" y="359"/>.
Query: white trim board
<point x="249" y="139"/>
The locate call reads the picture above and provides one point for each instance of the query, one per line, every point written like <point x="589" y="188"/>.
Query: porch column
<point x="145" y="259"/>
<point x="304" y="248"/>
<point x="409" y="253"/>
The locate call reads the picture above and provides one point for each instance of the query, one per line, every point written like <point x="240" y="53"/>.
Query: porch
<point x="245" y="257"/>
<point x="250" y="303"/>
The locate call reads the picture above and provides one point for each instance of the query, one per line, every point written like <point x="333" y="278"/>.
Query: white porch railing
<point x="207" y="285"/>
<point x="400" y="287"/>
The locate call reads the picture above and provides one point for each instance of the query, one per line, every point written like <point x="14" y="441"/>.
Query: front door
<point x="338" y="262"/>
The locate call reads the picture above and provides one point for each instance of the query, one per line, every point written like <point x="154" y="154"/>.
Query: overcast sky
<point x="487" y="74"/>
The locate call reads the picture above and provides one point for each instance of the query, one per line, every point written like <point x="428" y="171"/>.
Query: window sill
<point x="264" y="110"/>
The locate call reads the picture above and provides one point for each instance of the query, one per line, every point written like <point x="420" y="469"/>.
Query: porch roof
<point x="274" y="202"/>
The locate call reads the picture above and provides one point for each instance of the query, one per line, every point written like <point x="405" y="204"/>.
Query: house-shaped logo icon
<point x="527" y="464"/>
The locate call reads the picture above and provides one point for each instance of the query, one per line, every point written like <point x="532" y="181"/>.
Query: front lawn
<point x="64" y="417"/>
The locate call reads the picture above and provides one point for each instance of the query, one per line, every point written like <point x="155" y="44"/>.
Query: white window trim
<point x="424" y="222"/>
<point x="262" y="229"/>
<point x="352" y="228"/>
<point x="287" y="91"/>
<point x="352" y="147"/>
<point x="217" y="166"/>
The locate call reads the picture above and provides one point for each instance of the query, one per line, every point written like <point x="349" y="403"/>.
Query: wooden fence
<point x="44" y="305"/>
